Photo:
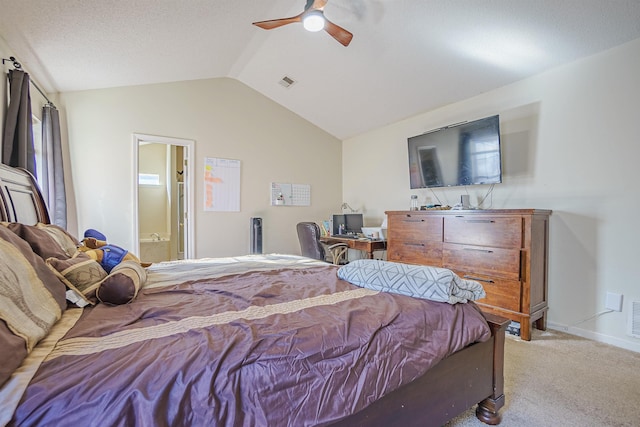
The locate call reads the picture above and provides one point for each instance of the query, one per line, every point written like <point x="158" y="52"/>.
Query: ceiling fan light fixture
<point x="313" y="21"/>
<point x="312" y="18"/>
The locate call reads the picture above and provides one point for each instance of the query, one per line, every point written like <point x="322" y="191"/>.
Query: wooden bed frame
<point x="21" y="198"/>
<point x="470" y="376"/>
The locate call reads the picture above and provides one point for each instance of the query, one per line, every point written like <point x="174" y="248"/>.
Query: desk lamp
<point x="345" y="206"/>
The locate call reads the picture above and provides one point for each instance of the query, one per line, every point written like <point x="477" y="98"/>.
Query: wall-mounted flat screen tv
<point x="462" y="154"/>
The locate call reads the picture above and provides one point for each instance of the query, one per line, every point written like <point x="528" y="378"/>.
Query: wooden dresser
<point x="506" y="250"/>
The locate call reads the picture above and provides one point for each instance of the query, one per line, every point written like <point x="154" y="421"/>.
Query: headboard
<point x="20" y="197"/>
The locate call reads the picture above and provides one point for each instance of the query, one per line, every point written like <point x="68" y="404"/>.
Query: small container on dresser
<point x="506" y="250"/>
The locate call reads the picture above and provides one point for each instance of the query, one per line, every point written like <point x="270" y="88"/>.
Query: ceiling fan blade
<point x="275" y="23"/>
<point x="338" y="33"/>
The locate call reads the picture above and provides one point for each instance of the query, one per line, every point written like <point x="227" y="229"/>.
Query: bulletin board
<point x="292" y="194"/>
<point x="221" y="185"/>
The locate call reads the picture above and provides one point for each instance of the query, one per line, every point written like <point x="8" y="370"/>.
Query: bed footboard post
<point x="488" y="411"/>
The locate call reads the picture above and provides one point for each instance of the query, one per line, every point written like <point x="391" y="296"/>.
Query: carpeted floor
<point x="557" y="379"/>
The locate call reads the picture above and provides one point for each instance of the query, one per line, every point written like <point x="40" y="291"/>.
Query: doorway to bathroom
<point x="164" y="193"/>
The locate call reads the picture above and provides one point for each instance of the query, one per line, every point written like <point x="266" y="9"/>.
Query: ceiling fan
<point x="313" y="19"/>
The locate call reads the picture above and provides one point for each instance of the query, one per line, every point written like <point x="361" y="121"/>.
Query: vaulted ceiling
<point x="406" y="57"/>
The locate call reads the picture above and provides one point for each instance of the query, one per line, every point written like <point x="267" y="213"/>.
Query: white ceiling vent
<point x="287" y="81"/>
<point x="634" y="319"/>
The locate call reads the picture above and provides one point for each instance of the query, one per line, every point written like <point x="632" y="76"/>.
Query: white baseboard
<point x="596" y="336"/>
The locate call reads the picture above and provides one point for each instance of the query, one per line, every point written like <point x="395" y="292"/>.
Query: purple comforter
<point x="292" y="347"/>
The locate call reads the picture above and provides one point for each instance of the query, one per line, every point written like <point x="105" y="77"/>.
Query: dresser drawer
<point x="494" y="262"/>
<point x="500" y="293"/>
<point x="414" y="227"/>
<point x="501" y="232"/>
<point x="424" y="253"/>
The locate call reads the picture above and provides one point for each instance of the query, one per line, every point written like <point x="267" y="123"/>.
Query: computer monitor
<point x="352" y="223"/>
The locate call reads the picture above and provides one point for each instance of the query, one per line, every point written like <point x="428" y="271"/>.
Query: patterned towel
<point x="432" y="283"/>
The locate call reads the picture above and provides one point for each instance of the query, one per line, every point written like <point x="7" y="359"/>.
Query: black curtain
<point x="17" y="140"/>
<point x="52" y="180"/>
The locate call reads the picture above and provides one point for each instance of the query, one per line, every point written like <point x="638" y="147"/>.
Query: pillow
<point x="31" y="301"/>
<point x="421" y="281"/>
<point x="81" y="274"/>
<point x="12" y="350"/>
<point x="121" y="286"/>
<point x="66" y="241"/>
<point x="46" y="240"/>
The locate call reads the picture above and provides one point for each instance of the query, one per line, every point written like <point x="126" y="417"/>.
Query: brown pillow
<point x="81" y="274"/>
<point x="30" y="302"/>
<point x="46" y="240"/>
<point x="12" y="351"/>
<point x="121" y="286"/>
<point x="66" y="241"/>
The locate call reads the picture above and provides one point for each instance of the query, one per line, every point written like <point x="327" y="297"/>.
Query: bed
<point x="256" y="340"/>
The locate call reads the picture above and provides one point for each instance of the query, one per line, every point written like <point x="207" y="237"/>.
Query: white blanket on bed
<point x="432" y="283"/>
<point x="171" y="273"/>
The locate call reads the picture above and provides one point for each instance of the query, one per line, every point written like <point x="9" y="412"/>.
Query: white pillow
<point x="432" y="283"/>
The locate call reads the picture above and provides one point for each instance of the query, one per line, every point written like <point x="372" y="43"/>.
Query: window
<point x="148" y="179"/>
<point x="36" y="127"/>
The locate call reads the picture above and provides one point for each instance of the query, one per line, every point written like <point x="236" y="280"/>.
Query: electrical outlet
<point x="613" y="301"/>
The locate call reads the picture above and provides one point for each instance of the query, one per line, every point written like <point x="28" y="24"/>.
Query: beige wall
<point x="227" y="120"/>
<point x="571" y="143"/>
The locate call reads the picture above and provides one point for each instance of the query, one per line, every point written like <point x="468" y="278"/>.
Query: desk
<point x="365" y="245"/>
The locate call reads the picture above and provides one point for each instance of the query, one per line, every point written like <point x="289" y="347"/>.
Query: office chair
<point x="312" y="247"/>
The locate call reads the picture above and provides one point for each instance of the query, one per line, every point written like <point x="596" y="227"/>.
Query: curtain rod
<point x="18" y="66"/>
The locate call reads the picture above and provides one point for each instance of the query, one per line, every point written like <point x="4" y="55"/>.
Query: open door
<point x="163" y="188"/>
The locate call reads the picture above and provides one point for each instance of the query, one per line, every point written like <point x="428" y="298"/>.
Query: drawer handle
<point x="466" y="276"/>
<point x="414" y="244"/>
<point x="480" y="221"/>
<point x="413" y="220"/>
<point x="479" y="250"/>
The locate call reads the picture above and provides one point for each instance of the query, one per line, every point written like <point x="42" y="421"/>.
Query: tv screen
<point x="462" y="154"/>
<point x="352" y="224"/>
